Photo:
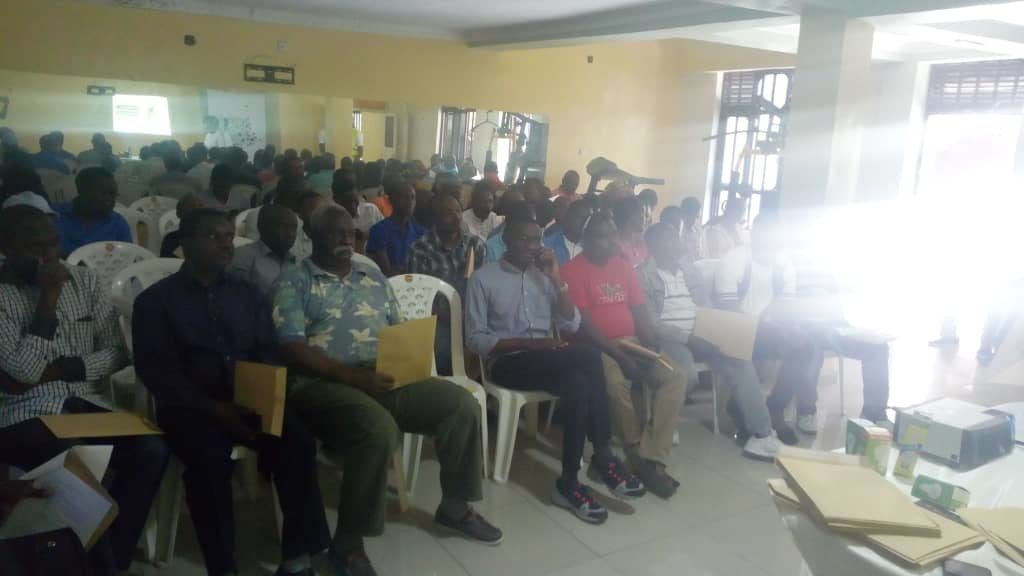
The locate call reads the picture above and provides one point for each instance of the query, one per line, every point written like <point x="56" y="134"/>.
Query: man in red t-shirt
<point x="608" y="294"/>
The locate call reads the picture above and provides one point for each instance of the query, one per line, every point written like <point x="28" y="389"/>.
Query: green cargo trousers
<point x="365" y="430"/>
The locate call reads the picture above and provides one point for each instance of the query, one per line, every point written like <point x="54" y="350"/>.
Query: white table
<point x="827" y="553"/>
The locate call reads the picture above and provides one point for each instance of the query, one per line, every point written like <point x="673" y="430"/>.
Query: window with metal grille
<point x="750" y="138"/>
<point x="990" y="86"/>
<point x="455" y="136"/>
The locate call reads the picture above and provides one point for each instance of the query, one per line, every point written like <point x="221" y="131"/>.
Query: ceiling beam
<point x="633" y="20"/>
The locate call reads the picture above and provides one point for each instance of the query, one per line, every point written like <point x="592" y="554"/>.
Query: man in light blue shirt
<point x="512" y="308"/>
<point x="267" y="258"/>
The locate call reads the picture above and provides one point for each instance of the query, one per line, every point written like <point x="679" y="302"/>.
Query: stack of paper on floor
<point x="262" y="389"/>
<point x="76" y="498"/>
<point x="1004" y="528"/>
<point x="848" y="497"/>
<point x="918" y="551"/>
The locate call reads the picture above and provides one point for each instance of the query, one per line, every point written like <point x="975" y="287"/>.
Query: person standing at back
<point x="390" y="239"/>
<point x="90" y="217"/>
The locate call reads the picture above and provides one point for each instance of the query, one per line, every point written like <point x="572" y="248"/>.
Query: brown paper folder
<point x="1004" y="528"/>
<point x="849" y="497"/>
<point x="406" y="351"/>
<point x="262" y="389"/>
<point x="917" y="551"/>
<point x="99" y="425"/>
<point x="733" y="333"/>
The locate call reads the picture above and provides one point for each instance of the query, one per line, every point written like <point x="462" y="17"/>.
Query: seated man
<point x="58" y="339"/>
<point x="389" y="240"/>
<point x="606" y="289"/>
<point x="673" y="291"/>
<point x="90" y="217"/>
<point x="513" y="307"/>
<point x="170" y="246"/>
<point x="261" y="262"/>
<point x="445" y="253"/>
<point x="328" y="311"/>
<point x="757" y="279"/>
<point x="566" y="240"/>
<point x="480" y="217"/>
<point x="365" y="214"/>
<point x="189" y="330"/>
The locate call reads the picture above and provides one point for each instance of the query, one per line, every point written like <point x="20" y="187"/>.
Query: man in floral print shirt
<point x="327" y="312"/>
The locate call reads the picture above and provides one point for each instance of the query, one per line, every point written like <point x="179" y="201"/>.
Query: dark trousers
<point x="136" y="466"/>
<point x="205" y="450"/>
<point x="576" y="375"/>
<point x="801" y="365"/>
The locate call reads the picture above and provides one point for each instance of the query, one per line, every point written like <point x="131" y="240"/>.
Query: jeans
<point x="737" y="378"/>
<point x="137" y="465"/>
<point x="648" y="436"/>
<point x="205" y="450"/>
<point x="364" y="429"/>
<point x="575" y="375"/>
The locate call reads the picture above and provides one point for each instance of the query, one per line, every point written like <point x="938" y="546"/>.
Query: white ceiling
<point x="905" y="29"/>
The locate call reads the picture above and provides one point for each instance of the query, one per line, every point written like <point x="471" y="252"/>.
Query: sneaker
<point x="985" y="355"/>
<point x="764" y="448"/>
<point x="675" y="438"/>
<point x="807" y="424"/>
<point x="618" y="479"/>
<point x="355" y="563"/>
<point x="579" y="501"/>
<point x="472" y="526"/>
<point x="655" y="478"/>
<point x="783" y="431"/>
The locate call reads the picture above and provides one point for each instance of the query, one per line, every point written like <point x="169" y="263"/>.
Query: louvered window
<point x="991" y="86"/>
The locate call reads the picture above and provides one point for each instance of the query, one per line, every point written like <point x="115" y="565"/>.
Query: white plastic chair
<point x="128" y="284"/>
<point x="245" y="224"/>
<point x="58" y="186"/>
<point x="150" y="209"/>
<point x="169" y="222"/>
<point x="415" y="294"/>
<point x="108" y="258"/>
<point x="133" y="219"/>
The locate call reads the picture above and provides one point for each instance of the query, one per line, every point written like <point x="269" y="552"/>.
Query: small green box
<point x="872" y="443"/>
<point x="939" y="493"/>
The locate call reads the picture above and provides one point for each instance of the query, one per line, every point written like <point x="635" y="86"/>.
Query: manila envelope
<point x="99" y="425"/>
<point x="262" y="389"/>
<point x="406" y="351"/>
<point x="732" y="332"/>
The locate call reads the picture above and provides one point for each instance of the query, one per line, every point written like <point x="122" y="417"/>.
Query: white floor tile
<point x="759" y="537"/>
<point x="690" y="553"/>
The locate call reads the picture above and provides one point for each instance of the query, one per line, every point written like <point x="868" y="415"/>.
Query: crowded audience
<point x="593" y="299"/>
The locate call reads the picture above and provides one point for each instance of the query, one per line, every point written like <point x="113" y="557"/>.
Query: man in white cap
<point x="27" y="199"/>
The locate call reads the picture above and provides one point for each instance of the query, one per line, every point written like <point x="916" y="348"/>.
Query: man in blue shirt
<point x="390" y="239"/>
<point x="512" y="308"/>
<point x="90" y="217"/>
<point x="189" y="331"/>
<point x="566" y="241"/>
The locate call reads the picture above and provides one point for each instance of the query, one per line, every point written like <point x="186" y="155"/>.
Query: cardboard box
<point x="961" y="434"/>
<point x="871" y="443"/>
<point x="939" y="493"/>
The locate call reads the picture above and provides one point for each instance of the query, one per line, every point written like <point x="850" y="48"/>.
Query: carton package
<point x="960" y="434"/>
<point x="938" y="493"/>
<point x="871" y="443"/>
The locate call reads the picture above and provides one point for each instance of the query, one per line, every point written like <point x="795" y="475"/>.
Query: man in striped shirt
<point x="58" y="339"/>
<point x="673" y="290"/>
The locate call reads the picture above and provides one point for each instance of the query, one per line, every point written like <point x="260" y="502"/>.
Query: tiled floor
<point x="721" y="522"/>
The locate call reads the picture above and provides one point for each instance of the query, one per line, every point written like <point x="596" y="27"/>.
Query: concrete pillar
<point x="831" y="90"/>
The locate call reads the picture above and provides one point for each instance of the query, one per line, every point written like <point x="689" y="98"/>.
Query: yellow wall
<point x="40" y="103"/>
<point x="627" y="105"/>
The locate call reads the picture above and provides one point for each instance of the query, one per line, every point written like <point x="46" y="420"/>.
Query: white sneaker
<point x="762" y="448"/>
<point x="675" y="438"/>
<point x="807" y="424"/>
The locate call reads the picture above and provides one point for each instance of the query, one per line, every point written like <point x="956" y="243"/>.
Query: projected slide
<point x="141" y="115"/>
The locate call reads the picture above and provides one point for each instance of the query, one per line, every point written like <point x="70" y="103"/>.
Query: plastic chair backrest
<point x="242" y="224"/>
<point x="133" y="218"/>
<point x="133" y="178"/>
<point x="132" y="280"/>
<point x="108" y="258"/>
<point x="59" y="187"/>
<point x="240" y="241"/>
<point x="416" y="293"/>
<point x="168" y="223"/>
<point x="150" y="209"/>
